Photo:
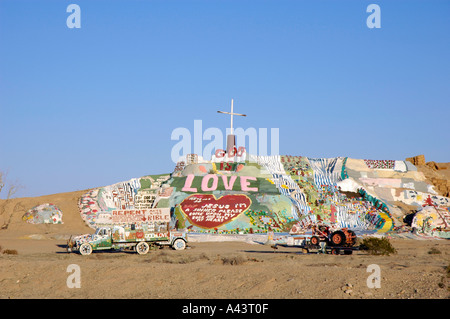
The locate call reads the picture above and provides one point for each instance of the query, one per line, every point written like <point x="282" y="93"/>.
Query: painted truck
<point x="137" y="230"/>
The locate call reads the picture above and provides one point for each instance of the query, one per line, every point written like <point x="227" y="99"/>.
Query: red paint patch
<point x="206" y="211"/>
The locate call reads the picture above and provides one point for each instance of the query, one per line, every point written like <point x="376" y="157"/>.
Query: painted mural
<point x="229" y="198"/>
<point x="380" y="164"/>
<point x="44" y="214"/>
<point x="206" y="211"/>
<point x="255" y="194"/>
<point x="99" y="205"/>
<point x="432" y="221"/>
<point x="318" y="179"/>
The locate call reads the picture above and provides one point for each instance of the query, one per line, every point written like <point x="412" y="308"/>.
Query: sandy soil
<point x="222" y="270"/>
<point x="205" y="270"/>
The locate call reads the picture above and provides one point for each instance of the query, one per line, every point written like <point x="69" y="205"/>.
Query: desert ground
<point x="222" y="270"/>
<point x="34" y="263"/>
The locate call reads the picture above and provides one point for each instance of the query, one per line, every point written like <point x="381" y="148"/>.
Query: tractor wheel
<point x="315" y="240"/>
<point x="337" y="238"/>
<point x="142" y="248"/>
<point x="335" y="251"/>
<point x="351" y="240"/>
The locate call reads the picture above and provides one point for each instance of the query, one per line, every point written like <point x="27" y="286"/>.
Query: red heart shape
<point x="206" y="211"/>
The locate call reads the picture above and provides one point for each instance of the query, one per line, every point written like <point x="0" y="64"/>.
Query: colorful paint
<point x="380" y="164"/>
<point x="44" y="214"/>
<point x="432" y="221"/>
<point x="207" y="211"/>
<point x="257" y="194"/>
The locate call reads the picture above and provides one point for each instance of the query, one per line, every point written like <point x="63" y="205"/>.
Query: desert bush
<point x="9" y="190"/>
<point x="434" y="251"/>
<point x="10" y="252"/>
<point x="233" y="260"/>
<point x="378" y="246"/>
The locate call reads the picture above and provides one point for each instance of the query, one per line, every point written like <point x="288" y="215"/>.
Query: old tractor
<point x="341" y="237"/>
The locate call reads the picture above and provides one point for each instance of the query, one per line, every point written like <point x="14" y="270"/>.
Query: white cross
<point x="231" y="113"/>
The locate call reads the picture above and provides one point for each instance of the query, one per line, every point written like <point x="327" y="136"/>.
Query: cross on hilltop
<point x="231" y="138"/>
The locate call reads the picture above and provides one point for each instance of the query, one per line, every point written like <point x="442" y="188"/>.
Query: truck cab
<point x="103" y="238"/>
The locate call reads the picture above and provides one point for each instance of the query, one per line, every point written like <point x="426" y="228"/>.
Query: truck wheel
<point x="85" y="249"/>
<point x="142" y="248"/>
<point x="179" y="244"/>
<point x="315" y="240"/>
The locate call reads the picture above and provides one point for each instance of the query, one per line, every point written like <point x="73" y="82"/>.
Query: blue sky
<point x="89" y="107"/>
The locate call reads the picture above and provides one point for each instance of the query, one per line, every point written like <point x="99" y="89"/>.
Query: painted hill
<point x="255" y="194"/>
<point x="250" y="194"/>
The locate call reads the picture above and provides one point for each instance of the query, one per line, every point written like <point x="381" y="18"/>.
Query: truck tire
<point x="179" y="244"/>
<point x="315" y="240"/>
<point x="85" y="249"/>
<point x="142" y="248"/>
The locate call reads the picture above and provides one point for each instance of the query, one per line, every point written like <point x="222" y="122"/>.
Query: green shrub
<point x="378" y="246"/>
